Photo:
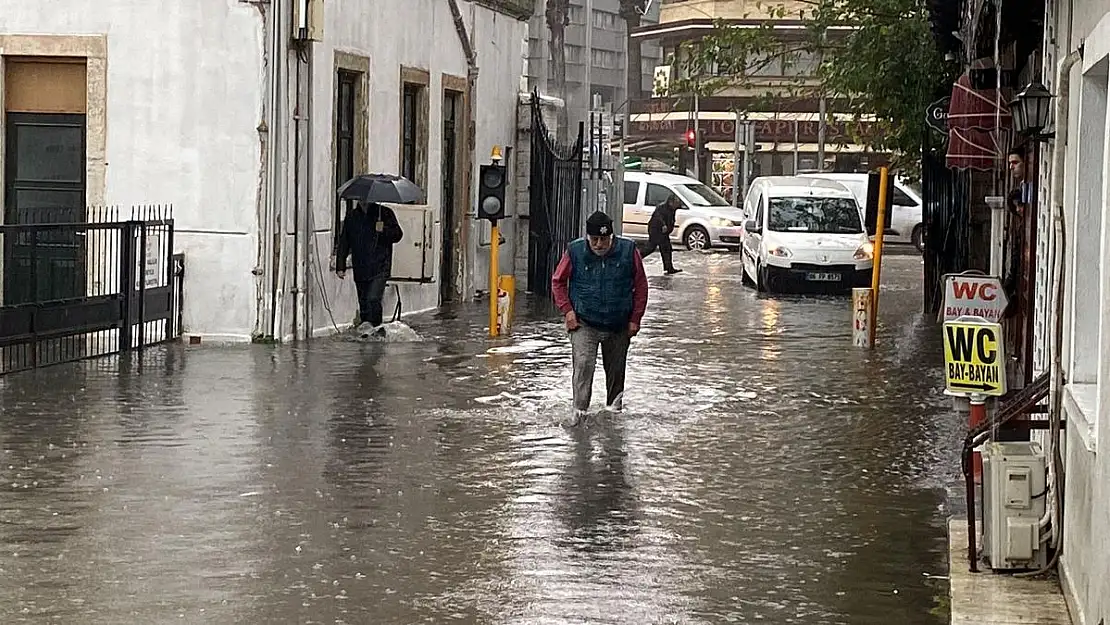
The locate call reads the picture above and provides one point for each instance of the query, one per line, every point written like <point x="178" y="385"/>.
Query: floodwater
<point x="765" y="471"/>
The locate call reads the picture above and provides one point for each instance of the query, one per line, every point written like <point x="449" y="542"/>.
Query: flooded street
<point x="764" y="471"/>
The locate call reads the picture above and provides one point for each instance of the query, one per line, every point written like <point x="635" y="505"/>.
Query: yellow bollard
<point x="862" y="306"/>
<point x="506" y="303"/>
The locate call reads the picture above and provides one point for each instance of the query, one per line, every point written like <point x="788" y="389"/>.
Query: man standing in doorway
<point x="369" y="233"/>
<point x="601" y="289"/>
<point x="660" y="227"/>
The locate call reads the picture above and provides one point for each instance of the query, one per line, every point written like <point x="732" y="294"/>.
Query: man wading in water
<point x="601" y="289"/>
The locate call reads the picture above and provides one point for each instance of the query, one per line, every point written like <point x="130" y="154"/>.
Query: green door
<point x="44" y="183"/>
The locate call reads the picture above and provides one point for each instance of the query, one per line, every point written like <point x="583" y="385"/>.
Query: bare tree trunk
<point x="558" y="17"/>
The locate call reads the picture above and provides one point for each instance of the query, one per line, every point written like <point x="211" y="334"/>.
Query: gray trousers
<point x="614" y="358"/>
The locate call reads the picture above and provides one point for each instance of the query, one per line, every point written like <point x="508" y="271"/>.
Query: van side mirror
<point x="752" y="225"/>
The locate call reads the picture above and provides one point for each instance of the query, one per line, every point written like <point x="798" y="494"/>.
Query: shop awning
<point x="978" y="121"/>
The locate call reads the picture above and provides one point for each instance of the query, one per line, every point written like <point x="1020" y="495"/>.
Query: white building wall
<point x="418" y="34"/>
<point x="184" y="98"/>
<point x="1085" y="562"/>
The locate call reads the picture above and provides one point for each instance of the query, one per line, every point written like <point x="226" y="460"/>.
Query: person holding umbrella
<point x="369" y="232"/>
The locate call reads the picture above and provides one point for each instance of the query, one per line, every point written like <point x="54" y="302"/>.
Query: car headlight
<point x="720" y="222"/>
<point x="865" y="251"/>
<point x="780" y="252"/>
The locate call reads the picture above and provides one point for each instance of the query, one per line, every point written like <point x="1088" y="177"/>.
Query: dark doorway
<point x="44" y="173"/>
<point x="346" y="90"/>
<point x="452" y="106"/>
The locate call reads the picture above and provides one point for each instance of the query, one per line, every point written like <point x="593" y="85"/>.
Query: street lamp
<point x="1030" y="110"/>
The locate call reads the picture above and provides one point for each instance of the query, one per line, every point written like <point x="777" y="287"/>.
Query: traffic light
<point x="691" y="139"/>
<point x="491" y="192"/>
<point x="871" y="212"/>
<point x="702" y="142"/>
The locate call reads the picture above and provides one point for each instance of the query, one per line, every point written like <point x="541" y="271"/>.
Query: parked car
<point x="906" y="216"/>
<point x="804" y="233"/>
<point x="705" y="219"/>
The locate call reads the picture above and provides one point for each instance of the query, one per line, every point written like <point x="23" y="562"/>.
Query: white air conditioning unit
<point x="414" y="258"/>
<point x="1014" y="495"/>
<point x="308" y="20"/>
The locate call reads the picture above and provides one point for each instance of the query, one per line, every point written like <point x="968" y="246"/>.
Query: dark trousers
<point x="661" y="242"/>
<point x="614" y="359"/>
<point x="370" y="295"/>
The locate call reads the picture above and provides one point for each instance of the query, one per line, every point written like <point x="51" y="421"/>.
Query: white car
<point x="704" y="220"/>
<point x="906" y="215"/>
<point x="804" y="234"/>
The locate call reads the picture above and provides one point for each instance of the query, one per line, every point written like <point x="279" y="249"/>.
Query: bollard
<point x="976" y="417"/>
<point x="862" y="317"/>
<point x="506" y="303"/>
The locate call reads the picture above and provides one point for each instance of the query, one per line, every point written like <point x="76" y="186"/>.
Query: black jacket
<point x="662" y="221"/>
<point x="371" y="251"/>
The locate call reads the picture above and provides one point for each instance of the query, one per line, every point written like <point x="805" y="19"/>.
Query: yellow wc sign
<point x="974" y="357"/>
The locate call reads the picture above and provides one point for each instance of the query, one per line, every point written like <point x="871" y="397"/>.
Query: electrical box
<point x="414" y="257"/>
<point x="308" y="20"/>
<point x="1014" y="496"/>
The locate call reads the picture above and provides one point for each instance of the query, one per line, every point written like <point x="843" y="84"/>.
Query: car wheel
<point x="696" y="238"/>
<point x="745" y="279"/>
<point x="760" y="279"/>
<point x="918" y="238"/>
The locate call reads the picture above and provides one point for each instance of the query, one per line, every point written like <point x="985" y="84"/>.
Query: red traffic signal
<point x="691" y="139"/>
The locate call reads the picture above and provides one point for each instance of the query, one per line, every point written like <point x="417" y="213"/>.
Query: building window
<point x="414" y="126"/>
<point x="346" y="92"/>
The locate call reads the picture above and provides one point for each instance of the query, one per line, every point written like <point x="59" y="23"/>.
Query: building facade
<point x="778" y="97"/>
<point x="247" y="123"/>
<point x="596" y="32"/>
<point x="1077" y="60"/>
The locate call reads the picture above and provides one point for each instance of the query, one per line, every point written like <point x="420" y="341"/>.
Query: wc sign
<point x="974" y="296"/>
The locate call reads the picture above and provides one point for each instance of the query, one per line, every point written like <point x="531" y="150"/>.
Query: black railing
<point x="555" y="200"/>
<point x="70" y="291"/>
<point x="946" y="194"/>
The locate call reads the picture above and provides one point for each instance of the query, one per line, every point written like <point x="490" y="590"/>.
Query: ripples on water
<point x="765" y="471"/>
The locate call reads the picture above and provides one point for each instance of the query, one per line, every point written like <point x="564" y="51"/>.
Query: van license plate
<point x="823" y="277"/>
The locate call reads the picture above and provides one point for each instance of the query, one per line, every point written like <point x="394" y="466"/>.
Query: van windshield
<point x="825" y="215"/>
<point x="698" y="194"/>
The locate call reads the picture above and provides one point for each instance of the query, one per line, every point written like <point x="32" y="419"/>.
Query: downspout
<point x="1057" y="248"/>
<point x="471" y="90"/>
<point x="309" y="216"/>
<point x="295" y="291"/>
<point x="263" y="278"/>
<point x="277" y="191"/>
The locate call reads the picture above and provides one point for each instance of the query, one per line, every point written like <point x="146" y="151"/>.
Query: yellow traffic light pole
<point x="877" y="264"/>
<point x="494" y="272"/>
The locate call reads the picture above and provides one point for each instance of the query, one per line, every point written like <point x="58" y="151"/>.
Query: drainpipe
<point x="263" y="277"/>
<point x="471" y="83"/>
<point x="297" y="183"/>
<point x="277" y="169"/>
<point x="1057" y="248"/>
<point x="309" y="216"/>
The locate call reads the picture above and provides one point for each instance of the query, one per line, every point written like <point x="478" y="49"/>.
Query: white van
<point x="906" y="215"/>
<point x="804" y="234"/>
<point x="704" y="220"/>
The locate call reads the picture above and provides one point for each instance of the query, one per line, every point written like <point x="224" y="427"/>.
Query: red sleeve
<point x="639" y="287"/>
<point x="560" y="285"/>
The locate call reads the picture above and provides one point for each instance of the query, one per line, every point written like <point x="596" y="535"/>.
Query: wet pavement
<point x="764" y="471"/>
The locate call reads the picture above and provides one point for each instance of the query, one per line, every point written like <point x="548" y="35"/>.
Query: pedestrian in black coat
<point x="660" y="227"/>
<point x="368" y="235"/>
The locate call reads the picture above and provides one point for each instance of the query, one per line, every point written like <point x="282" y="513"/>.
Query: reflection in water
<point x="764" y="472"/>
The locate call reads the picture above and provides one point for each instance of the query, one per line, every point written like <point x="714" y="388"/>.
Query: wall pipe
<point x="471" y="83"/>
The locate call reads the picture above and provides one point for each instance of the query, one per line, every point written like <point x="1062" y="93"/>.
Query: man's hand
<point x="633" y="328"/>
<point x="342" y="274"/>
<point x="572" y="321"/>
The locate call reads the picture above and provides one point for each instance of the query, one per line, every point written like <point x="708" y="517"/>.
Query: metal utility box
<point x="1014" y="496"/>
<point x="414" y="258"/>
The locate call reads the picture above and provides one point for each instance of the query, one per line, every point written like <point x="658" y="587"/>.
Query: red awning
<point x="977" y="120"/>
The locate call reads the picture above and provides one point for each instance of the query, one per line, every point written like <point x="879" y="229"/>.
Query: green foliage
<point x="885" y="67"/>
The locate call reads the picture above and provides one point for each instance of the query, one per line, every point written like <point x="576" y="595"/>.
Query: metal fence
<point x="109" y="284"/>
<point x="555" y="200"/>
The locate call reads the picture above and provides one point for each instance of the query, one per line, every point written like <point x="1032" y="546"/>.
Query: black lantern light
<point x="1031" y="109"/>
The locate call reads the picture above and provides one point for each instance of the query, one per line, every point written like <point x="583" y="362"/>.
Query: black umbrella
<point x="385" y="188"/>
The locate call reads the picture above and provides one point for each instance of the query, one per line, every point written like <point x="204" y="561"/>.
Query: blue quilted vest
<point x="601" y="286"/>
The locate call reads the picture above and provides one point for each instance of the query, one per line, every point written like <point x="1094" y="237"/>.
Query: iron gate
<point x="72" y="291"/>
<point x="947" y="215"/>
<point x="555" y="200"/>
